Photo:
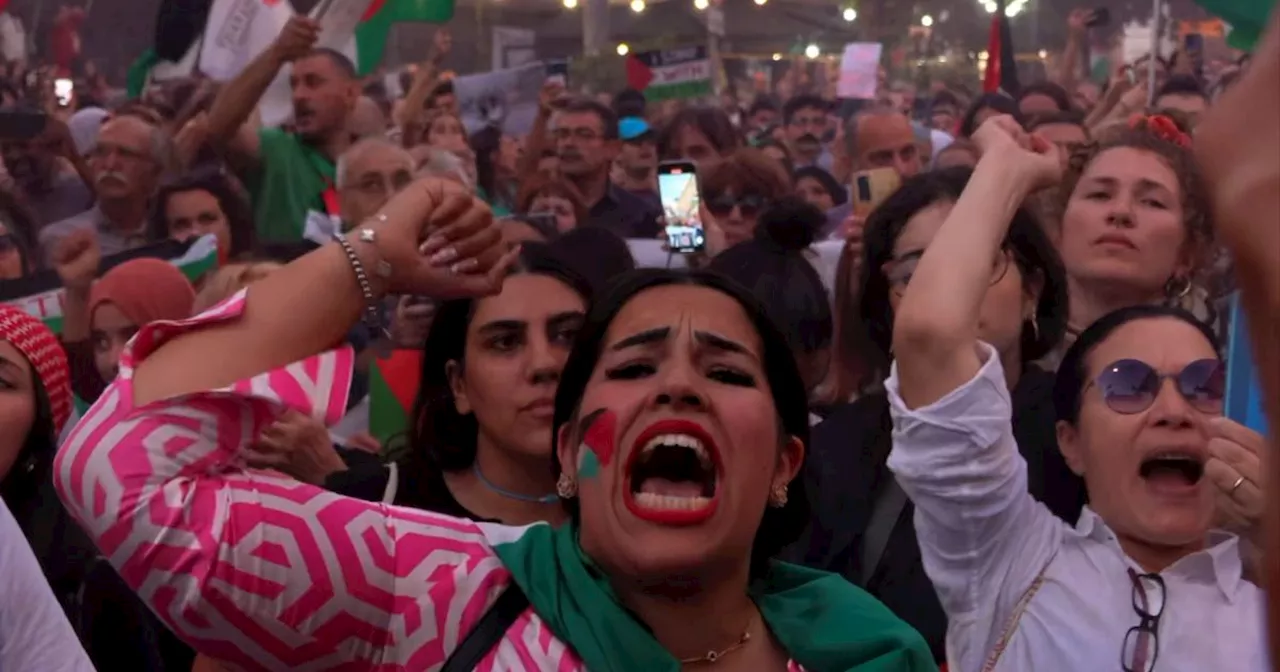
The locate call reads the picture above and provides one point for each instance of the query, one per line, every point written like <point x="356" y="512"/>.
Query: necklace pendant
<point x="712" y="656"/>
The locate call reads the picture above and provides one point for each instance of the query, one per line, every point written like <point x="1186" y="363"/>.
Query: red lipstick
<point x="677" y="517"/>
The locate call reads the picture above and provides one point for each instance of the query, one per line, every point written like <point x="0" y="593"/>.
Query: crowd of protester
<point x="979" y="426"/>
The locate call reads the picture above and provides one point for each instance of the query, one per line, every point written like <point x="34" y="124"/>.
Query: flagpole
<point x="1155" y="52"/>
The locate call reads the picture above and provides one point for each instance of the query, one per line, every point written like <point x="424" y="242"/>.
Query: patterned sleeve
<point x="252" y="567"/>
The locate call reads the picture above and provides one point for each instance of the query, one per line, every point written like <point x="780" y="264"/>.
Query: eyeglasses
<point x="1131" y="386"/>
<point x="750" y="205"/>
<point x="582" y="133"/>
<point x="1142" y="641"/>
<point x="899" y="271"/>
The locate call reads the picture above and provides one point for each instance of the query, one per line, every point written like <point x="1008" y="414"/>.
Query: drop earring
<point x="566" y="487"/>
<point x="778" y="498"/>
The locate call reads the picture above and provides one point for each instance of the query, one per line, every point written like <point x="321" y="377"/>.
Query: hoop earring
<point x="778" y="498"/>
<point x="1182" y="290"/>
<point x="566" y="487"/>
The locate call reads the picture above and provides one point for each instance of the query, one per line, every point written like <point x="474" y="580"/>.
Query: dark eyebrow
<point x="721" y="343"/>
<point x="1149" y="185"/>
<point x="569" y="316"/>
<point x="501" y="325"/>
<point x="1105" y="181"/>
<point x="643" y="338"/>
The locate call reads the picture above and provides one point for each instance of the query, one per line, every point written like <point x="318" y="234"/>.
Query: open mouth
<point x="672" y="474"/>
<point x="1173" y="468"/>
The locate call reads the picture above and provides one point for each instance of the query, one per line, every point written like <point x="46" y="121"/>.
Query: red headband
<point x="1162" y="127"/>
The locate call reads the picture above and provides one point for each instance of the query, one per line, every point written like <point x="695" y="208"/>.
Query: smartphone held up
<point x="681" y="206"/>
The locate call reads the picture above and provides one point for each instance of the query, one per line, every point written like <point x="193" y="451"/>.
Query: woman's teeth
<point x="678" y="440"/>
<point x="655" y="501"/>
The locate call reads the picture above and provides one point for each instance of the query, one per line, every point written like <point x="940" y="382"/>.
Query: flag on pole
<point x="1002" y="64"/>
<point x="375" y="26"/>
<point x="1247" y="18"/>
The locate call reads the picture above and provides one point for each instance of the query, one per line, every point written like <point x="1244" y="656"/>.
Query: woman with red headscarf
<point x="98" y="318"/>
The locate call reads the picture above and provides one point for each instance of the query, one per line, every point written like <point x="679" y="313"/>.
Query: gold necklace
<point x="713" y="656"/>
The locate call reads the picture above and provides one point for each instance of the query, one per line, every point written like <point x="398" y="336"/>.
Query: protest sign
<point x="40" y="294"/>
<point x="860" y="70"/>
<point x="671" y="74"/>
<point x="506" y="99"/>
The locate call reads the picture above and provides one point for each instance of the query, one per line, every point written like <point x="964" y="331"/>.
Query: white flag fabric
<point x="237" y="31"/>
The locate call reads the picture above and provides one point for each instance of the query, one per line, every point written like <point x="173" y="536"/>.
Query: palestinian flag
<point x="1247" y="18"/>
<point x="375" y="26"/>
<point x="1002" y="65"/>
<point x="41" y="294"/>
<point x="670" y="74"/>
<point x="393" y="385"/>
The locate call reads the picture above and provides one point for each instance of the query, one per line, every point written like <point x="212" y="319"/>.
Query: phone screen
<point x="681" y="203"/>
<point x="62" y="88"/>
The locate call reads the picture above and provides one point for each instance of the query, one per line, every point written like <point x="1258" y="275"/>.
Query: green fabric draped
<point x="825" y="623"/>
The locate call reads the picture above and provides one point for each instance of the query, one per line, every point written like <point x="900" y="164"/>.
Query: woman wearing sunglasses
<point x="736" y="190"/>
<point x="1142" y="577"/>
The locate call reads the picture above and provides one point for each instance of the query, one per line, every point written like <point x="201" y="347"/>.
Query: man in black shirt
<point x="586" y="141"/>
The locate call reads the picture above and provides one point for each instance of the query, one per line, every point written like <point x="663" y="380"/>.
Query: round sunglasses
<point x="1131" y="386"/>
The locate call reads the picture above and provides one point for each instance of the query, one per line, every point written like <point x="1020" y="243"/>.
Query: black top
<point x="846" y="472"/>
<point x="626" y="214"/>
<point x="418" y="486"/>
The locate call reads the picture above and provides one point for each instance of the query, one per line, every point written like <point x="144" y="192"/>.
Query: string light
<point x="777" y="57"/>
<point x="761" y="2"/>
<point x="813" y="51"/>
<point x="926" y="20"/>
<point x="570" y="4"/>
<point x="623" y="49"/>
<point x="850" y="14"/>
<point x="637" y="6"/>
<point x="701" y="5"/>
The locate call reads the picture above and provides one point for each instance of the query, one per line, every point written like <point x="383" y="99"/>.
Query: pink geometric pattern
<point x="262" y="571"/>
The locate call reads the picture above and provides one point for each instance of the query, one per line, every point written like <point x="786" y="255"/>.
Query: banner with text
<point x="671" y="74"/>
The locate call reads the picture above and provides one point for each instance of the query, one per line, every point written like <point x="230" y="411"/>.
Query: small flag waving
<point x="40" y="295"/>
<point x="1247" y="18"/>
<point x="1002" y="64"/>
<point x="393" y="384"/>
<point x="375" y="26"/>
<point x="671" y="73"/>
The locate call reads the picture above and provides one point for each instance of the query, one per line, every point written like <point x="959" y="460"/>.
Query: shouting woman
<point x="680" y="421"/>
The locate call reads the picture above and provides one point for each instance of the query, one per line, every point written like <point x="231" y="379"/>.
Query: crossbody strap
<point x="884" y="517"/>
<point x="493" y="626"/>
<point x="1012" y="625"/>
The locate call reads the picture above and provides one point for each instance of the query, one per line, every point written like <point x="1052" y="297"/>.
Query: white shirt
<point x="984" y="540"/>
<point x="34" y="634"/>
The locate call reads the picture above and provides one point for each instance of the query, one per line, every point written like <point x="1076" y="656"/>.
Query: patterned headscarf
<point x="38" y="344"/>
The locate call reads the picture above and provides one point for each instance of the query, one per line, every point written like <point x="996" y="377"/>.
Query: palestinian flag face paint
<point x="598" y="442"/>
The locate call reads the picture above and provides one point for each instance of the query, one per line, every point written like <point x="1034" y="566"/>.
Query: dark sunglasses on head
<point x="749" y="205"/>
<point x="1131" y="386"/>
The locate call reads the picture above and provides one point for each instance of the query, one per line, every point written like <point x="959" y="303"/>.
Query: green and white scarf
<point x="825" y="623"/>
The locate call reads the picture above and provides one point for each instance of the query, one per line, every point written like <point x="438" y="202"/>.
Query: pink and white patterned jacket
<point x="262" y="571"/>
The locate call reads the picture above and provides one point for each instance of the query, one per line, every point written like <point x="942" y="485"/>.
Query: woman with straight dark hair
<point x="679" y="422"/>
<point x="480" y="431"/>
<point x="862" y="523"/>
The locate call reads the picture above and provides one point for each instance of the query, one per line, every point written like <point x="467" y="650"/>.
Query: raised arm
<point x="415" y="101"/>
<point x="252" y="567"/>
<point x="226" y="126"/>
<point x="935" y="331"/>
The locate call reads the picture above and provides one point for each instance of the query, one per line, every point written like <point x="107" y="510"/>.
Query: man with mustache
<point x="587" y="142"/>
<point x="43" y="170"/>
<point x="804" y="120"/>
<point x="126" y="165"/>
<point x="289" y="173"/>
<point x="879" y="138"/>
